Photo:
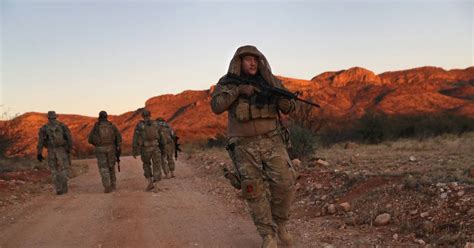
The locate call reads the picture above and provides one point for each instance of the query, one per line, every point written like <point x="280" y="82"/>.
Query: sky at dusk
<point x="80" y="57"/>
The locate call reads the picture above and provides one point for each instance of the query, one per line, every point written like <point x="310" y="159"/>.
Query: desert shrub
<point x="218" y="141"/>
<point x="377" y="127"/>
<point x="8" y="136"/>
<point x="303" y="141"/>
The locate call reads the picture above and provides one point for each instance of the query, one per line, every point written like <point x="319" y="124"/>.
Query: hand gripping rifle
<point x="270" y="90"/>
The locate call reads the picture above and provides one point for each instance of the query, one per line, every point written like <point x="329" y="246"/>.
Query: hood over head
<point x="263" y="67"/>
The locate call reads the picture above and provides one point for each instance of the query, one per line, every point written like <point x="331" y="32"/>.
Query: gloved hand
<point x="246" y="90"/>
<point x="284" y="105"/>
<point x="40" y="157"/>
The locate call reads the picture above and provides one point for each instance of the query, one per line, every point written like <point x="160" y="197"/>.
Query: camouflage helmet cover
<point x="146" y="113"/>
<point x="52" y="115"/>
<point x="102" y="114"/>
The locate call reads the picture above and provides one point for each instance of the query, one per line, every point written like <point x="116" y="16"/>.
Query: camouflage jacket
<point x="105" y="133"/>
<point x="55" y="134"/>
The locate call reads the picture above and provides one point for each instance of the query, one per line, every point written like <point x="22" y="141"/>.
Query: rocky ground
<point x="21" y="179"/>
<point x="406" y="193"/>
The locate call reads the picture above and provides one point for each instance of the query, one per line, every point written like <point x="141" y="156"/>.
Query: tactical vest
<point x="106" y="134"/>
<point x="257" y="107"/>
<point x="150" y="133"/>
<point x="166" y="132"/>
<point x="55" y="135"/>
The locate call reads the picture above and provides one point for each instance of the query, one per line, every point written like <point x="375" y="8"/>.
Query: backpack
<point x="105" y="133"/>
<point x="55" y="135"/>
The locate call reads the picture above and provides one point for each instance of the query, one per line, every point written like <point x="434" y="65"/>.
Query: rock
<point x="322" y="162"/>
<point x="469" y="245"/>
<point x="413" y="212"/>
<point x="350" y="145"/>
<point x="453" y="185"/>
<point x="444" y="196"/>
<point x="395" y="237"/>
<point x="318" y="186"/>
<point x="388" y="205"/>
<point x="324" y="197"/>
<point x="207" y="167"/>
<point x="420" y="241"/>
<point x="382" y="219"/>
<point x="351" y="221"/>
<point x="461" y="193"/>
<point x="328" y="246"/>
<point x="424" y="214"/>
<point x="296" y="163"/>
<point x="439" y="185"/>
<point x="470" y="212"/>
<point x="353" y="160"/>
<point x="346" y="206"/>
<point x="428" y="226"/>
<point x="332" y="209"/>
<point x="412" y="158"/>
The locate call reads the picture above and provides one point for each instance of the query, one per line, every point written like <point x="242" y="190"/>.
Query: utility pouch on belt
<point x="252" y="189"/>
<point x="233" y="177"/>
<point x="285" y="135"/>
<point x="242" y="111"/>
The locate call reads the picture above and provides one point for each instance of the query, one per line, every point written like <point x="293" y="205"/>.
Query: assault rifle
<point x="176" y="147"/>
<point x="270" y="90"/>
<point x="117" y="158"/>
<point x="118" y="152"/>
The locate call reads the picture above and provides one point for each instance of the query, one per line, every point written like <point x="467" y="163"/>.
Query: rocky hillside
<point x="344" y="96"/>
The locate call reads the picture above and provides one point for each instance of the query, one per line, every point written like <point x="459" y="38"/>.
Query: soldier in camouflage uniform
<point x="146" y="141"/>
<point x="56" y="137"/>
<point x="167" y="148"/>
<point x="107" y="141"/>
<point x="256" y="144"/>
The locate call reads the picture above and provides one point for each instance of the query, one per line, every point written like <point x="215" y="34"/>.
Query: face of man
<point x="249" y="65"/>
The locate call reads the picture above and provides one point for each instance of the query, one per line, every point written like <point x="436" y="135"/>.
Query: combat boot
<point x="172" y="174"/>
<point x="150" y="185"/>
<point x="107" y="190"/>
<point x="269" y="241"/>
<point x="166" y="176"/>
<point x="155" y="187"/>
<point x="284" y="236"/>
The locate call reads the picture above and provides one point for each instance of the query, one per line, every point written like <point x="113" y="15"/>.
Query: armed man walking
<point x="167" y="148"/>
<point x="146" y="142"/>
<point x="107" y="141"/>
<point x="56" y="137"/>
<point x="256" y="143"/>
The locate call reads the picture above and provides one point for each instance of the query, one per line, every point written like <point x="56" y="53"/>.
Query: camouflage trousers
<point x="60" y="166"/>
<point x="167" y="160"/>
<point x="151" y="158"/>
<point x="268" y="178"/>
<point x="106" y="162"/>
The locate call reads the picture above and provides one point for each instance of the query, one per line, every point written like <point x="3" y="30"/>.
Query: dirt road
<point x="182" y="214"/>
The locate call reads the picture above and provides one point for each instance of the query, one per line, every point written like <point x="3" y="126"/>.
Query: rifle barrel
<point x="274" y="90"/>
<point x="308" y="102"/>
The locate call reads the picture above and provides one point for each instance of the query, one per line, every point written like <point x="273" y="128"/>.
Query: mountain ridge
<point x="344" y="96"/>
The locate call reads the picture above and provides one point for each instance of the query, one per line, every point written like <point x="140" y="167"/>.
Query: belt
<point x="245" y="140"/>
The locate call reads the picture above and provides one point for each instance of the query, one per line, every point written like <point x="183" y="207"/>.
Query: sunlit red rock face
<point x="344" y="96"/>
